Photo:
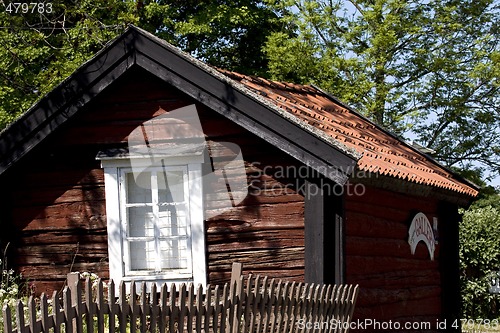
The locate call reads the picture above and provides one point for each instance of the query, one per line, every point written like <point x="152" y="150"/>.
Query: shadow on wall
<point x="56" y="200"/>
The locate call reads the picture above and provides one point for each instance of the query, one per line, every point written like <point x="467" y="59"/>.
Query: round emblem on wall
<point x="421" y="230"/>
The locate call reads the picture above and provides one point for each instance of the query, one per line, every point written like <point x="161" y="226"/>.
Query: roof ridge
<point x="299" y="87"/>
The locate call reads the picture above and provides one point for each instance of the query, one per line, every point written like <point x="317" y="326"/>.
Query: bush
<point x="12" y="288"/>
<point x="479" y="260"/>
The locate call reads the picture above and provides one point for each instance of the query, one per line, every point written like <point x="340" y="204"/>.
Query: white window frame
<point x="114" y="169"/>
<point x="165" y="275"/>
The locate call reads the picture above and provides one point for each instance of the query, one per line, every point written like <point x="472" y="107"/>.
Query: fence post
<point x="7" y="319"/>
<point x="236" y="271"/>
<point x="72" y="280"/>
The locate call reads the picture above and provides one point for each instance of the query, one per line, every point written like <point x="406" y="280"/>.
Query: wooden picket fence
<point x="249" y="304"/>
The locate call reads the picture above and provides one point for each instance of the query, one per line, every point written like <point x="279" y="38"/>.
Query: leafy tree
<point x="428" y="69"/>
<point x="39" y="50"/>
<point x="480" y="257"/>
<point x="227" y="34"/>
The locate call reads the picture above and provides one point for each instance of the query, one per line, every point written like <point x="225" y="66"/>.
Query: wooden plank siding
<point x="57" y="193"/>
<point x="394" y="284"/>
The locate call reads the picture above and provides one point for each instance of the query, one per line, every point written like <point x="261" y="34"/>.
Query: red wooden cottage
<point x="328" y="195"/>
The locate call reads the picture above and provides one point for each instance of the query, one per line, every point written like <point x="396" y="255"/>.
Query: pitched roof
<point x="382" y="152"/>
<point x="303" y="121"/>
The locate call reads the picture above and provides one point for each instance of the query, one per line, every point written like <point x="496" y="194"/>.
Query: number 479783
<point x="29" y="7"/>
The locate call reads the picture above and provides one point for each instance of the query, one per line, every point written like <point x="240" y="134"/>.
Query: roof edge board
<point x="423" y="190"/>
<point x="59" y="113"/>
<point x="394" y="136"/>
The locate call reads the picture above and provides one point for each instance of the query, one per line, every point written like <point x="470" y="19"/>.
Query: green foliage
<point x="426" y="68"/>
<point x="227" y="34"/>
<point x="480" y="257"/>
<point x="9" y="285"/>
<point x="38" y="51"/>
<point x="12" y="286"/>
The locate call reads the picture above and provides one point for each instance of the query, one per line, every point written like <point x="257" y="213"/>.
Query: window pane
<point x="174" y="254"/>
<point x="142" y="255"/>
<point x="172" y="224"/>
<point x="139" y="188"/>
<point x="170" y="187"/>
<point x="140" y="222"/>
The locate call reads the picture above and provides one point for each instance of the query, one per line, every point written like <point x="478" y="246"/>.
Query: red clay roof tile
<point x="381" y="152"/>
